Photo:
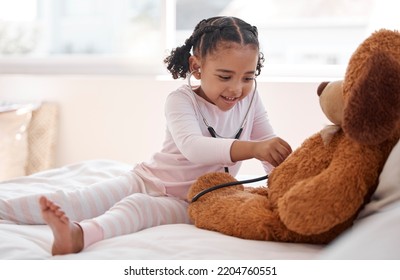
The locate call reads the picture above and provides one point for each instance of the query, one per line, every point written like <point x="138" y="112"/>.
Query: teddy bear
<point x="318" y="191"/>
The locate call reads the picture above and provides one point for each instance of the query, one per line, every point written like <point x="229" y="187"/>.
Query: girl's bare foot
<point x="68" y="236"/>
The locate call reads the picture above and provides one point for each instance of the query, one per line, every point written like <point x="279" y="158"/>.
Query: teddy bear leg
<point x="239" y="214"/>
<point x="230" y="210"/>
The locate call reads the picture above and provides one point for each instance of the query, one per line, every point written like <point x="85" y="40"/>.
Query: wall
<point x="121" y="117"/>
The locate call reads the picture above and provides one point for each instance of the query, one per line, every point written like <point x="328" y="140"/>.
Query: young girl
<point x="212" y="127"/>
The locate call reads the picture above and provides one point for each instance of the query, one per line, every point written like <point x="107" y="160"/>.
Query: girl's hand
<point x="274" y="150"/>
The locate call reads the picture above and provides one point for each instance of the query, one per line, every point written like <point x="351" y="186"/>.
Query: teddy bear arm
<point x="316" y="205"/>
<point x="310" y="159"/>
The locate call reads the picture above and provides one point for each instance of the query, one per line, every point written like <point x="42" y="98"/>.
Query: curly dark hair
<point x="205" y="38"/>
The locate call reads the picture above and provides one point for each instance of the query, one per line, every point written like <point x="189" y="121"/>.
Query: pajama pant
<point x="113" y="207"/>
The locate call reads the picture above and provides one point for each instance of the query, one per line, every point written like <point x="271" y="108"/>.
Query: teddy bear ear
<point x="372" y="110"/>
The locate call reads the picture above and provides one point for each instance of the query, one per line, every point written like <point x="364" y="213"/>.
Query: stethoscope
<point x="214" y="134"/>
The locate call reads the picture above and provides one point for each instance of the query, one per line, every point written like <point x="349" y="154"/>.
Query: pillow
<point x="42" y="137"/>
<point x="388" y="190"/>
<point x="13" y="140"/>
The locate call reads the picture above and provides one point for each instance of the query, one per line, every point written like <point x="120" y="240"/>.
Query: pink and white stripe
<point x="109" y="208"/>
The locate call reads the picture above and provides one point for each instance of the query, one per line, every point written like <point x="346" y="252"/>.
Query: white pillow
<point x="42" y="137"/>
<point x="13" y="141"/>
<point x="388" y="190"/>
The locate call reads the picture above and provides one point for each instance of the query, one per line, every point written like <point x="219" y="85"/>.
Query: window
<point x="299" y="38"/>
<point x="17" y="27"/>
<point x="90" y="36"/>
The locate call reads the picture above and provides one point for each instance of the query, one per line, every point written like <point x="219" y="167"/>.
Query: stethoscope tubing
<point x="229" y="184"/>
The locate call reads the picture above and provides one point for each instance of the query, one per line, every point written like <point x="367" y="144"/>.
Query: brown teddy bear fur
<point x="318" y="191"/>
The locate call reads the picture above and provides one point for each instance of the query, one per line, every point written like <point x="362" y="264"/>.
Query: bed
<point x="374" y="235"/>
<point x="33" y="172"/>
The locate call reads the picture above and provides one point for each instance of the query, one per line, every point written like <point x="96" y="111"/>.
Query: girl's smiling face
<point x="227" y="74"/>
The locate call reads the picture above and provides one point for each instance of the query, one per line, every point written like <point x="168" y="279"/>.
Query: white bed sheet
<point x="176" y="242"/>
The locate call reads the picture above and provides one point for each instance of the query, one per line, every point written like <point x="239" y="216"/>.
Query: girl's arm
<point x="265" y="146"/>
<point x="183" y="124"/>
<point x="274" y="150"/>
